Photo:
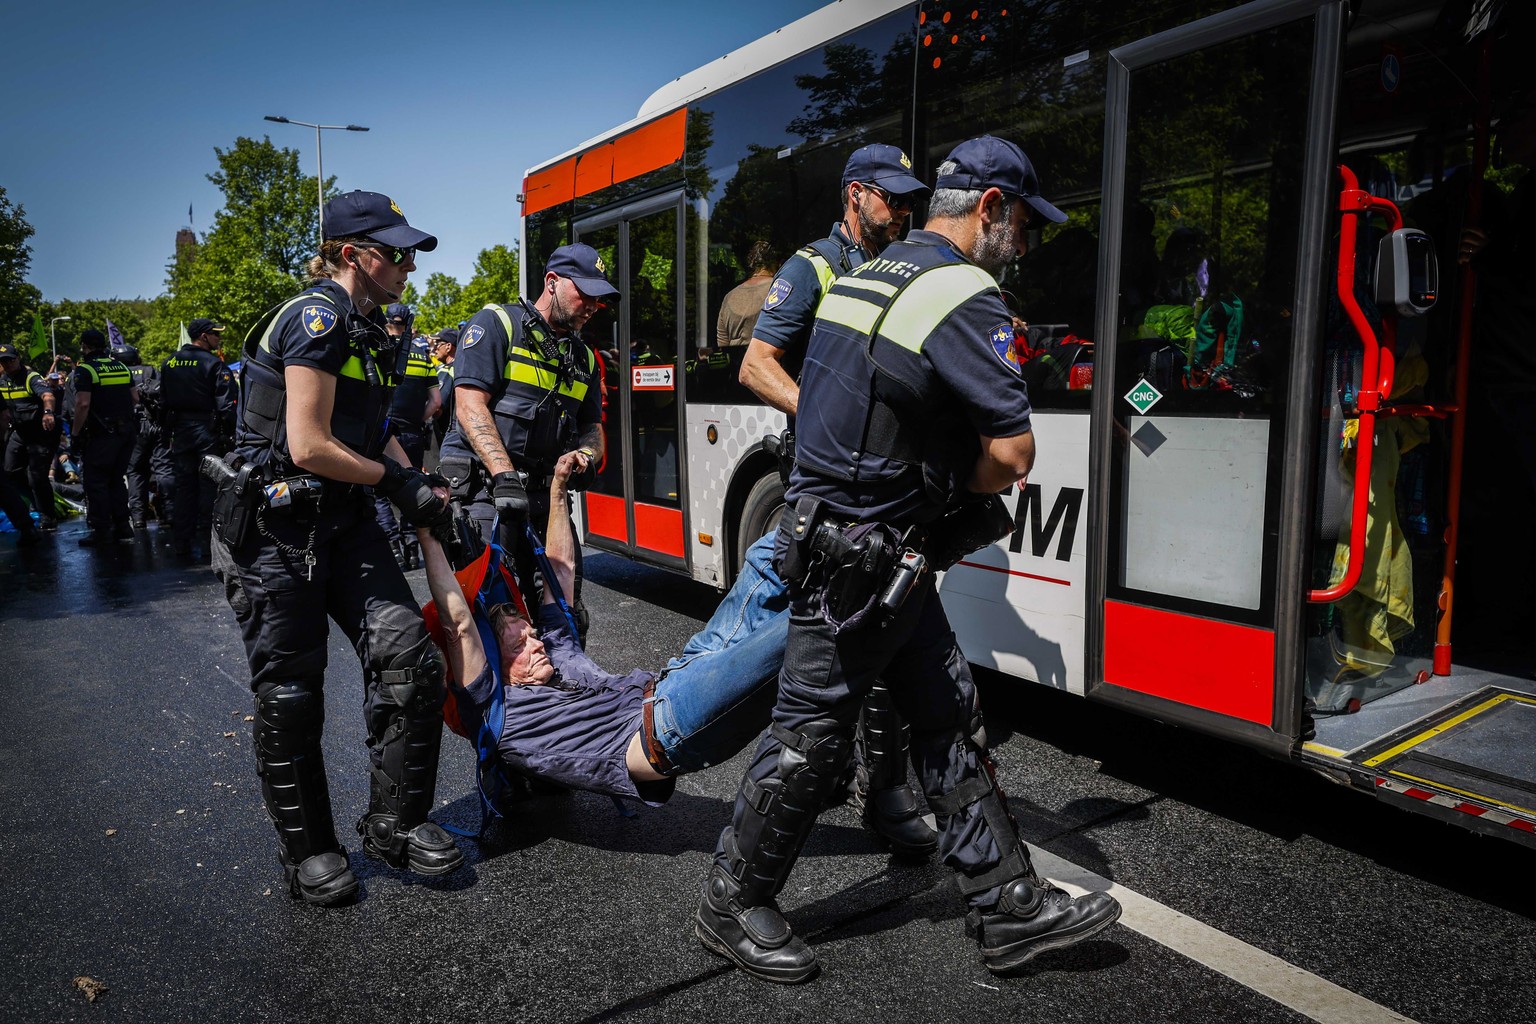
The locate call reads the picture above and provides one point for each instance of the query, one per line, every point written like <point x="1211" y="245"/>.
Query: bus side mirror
<point x="1407" y="273"/>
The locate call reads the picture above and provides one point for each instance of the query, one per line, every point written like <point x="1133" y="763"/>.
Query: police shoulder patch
<point x="1001" y="337"/>
<point x="472" y="334"/>
<point x="317" y="320"/>
<point x="778" y="292"/>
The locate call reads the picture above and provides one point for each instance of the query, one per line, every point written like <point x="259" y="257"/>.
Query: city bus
<point x="1270" y="475"/>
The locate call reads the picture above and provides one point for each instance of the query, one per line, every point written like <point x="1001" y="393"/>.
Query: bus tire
<point x="759" y="513"/>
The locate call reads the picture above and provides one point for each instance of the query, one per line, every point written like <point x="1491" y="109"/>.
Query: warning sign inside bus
<point x="652" y="378"/>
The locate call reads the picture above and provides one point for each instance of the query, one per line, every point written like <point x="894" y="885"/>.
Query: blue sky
<point x="112" y="110"/>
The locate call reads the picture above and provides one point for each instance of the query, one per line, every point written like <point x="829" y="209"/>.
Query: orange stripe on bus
<point x="605" y="517"/>
<point x="659" y="529"/>
<point x="594" y="170"/>
<point x="549" y="187"/>
<point x="1201" y="663"/>
<point x="649" y="147"/>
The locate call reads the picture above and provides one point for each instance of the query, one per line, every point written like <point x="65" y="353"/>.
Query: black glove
<point x="411" y="491"/>
<point x="510" y="495"/>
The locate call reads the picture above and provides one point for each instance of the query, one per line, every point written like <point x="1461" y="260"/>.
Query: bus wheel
<point x="760" y="514"/>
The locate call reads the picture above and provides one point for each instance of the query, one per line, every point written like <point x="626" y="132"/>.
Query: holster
<point x="236" y="503"/>
<point x="967" y="528"/>
<point x="463" y="476"/>
<point x="800" y="522"/>
<point x="782" y="448"/>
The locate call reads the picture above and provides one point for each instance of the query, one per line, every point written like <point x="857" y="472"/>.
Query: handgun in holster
<point x="235" y="504"/>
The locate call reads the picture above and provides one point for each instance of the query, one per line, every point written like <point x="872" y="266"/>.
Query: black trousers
<point x="27" y="462"/>
<point x="104" y="467"/>
<point x="283" y="606"/>
<point x="14" y="505"/>
<point x="150" y="463"/>
<point x="826" y="676"/>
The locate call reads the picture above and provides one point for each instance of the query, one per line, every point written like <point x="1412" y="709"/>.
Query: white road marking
<point x="1268" y="975"/>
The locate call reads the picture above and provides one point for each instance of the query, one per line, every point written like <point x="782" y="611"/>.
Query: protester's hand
<point x="510" y="496"/>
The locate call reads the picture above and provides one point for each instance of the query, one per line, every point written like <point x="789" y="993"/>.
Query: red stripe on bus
<point x="549" y="187"/>
<point x="1201" y="663"/>
<point x="649" y="147"/>
<point x="659" y="529"/>
<point x="1015" y="572"/>
<point x="605" y="517"/>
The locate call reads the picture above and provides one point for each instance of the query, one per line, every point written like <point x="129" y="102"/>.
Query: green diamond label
<point x="1143" y="396"/>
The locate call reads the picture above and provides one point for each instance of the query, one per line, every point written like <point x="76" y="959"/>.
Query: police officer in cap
<point x="415" y="401"/>
<point x="150" y="461"/>
<point x="878" y="193"/>
<point x="34" y="436"/>
<point x="525" y="392"/>
<point x="316" y="387"/>
<point x="918" y="405"/>
<point x="444" y="350"/>
<point x="106" y="426"/>
<point x="198" y="394"/>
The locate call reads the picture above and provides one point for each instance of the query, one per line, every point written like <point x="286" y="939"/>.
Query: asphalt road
<point x="136" y="853"/>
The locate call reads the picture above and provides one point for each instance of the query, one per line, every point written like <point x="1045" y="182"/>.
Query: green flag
<point x="39" y="338"/>
<point x="185" y="338"/>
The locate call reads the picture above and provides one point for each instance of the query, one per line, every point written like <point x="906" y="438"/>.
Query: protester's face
<point x="523" y="657"/>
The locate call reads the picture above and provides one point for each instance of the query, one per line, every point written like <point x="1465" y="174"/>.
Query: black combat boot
<point x="756" y="939"/>
<point x="395" y="829"/>
<point x="890" y="806"/>
<point x="1032" y="916"/>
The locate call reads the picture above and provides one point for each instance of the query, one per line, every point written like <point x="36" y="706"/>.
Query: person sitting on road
<point x="569" y="721"/>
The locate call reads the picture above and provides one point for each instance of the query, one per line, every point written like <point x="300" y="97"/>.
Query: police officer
<point x="34" y="436"/>
<point x="878" y="193"/>
<point x="106" y="426"/>
<point x="303" y="544"/>
<point x="919" y="403"/>
<point x="414" y="402"/>
<point x="198" y="394"/>
<point x="444" y="348"/>
<point x="150" y="461"/>
<point x="526" y="392"/>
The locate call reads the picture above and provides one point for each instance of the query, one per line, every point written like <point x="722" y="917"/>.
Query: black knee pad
<point x="288" y="717"/>
<point x="413" y="678"/>
<point x="814" y="757"/>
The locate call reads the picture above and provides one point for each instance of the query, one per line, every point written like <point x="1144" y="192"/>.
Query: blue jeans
<point x="715" y="697"/>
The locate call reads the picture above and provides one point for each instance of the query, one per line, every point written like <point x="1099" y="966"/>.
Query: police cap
<point x="203" y="325"/>
<point x="582" y="264"/>
<point x="398" y="313"/>
<point x="883" y="166"/>
<point x="92" y="339"/>
<point x="8" y="351"/>
<point x="989" y="162"/>
<point x="374" y="216"/>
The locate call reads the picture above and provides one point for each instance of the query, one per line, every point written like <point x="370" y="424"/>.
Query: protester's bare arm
<point x="466" y="655"/>
<point x="559" y="542"/>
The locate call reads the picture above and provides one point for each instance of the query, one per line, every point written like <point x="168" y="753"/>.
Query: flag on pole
<point x="186" y="339"/>
<point x="189" y="213"/>
<point x="115" y="337"/>
<point x="39" y="338"/>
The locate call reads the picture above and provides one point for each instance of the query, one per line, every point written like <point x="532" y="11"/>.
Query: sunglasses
<point x="895" y="202"/>
<point x="395" y="256"/>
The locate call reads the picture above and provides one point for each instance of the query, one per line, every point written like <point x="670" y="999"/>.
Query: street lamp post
<point x="319" y="160"/>
<point x="53" y="335"/>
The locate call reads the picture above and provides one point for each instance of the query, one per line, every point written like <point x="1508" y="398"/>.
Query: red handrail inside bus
<point x="1376" y="371"/>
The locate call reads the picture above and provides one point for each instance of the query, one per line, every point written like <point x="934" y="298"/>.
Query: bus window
<point x="1214" y="150"/>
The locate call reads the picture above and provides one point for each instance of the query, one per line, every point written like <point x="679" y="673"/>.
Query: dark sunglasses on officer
<point x="391" y="253"/>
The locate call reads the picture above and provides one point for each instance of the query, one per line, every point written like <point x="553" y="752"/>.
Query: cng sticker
<point x="1143" y="396"/>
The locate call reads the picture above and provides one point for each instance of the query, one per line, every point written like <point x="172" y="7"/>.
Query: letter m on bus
<point x="1042" y="529"/>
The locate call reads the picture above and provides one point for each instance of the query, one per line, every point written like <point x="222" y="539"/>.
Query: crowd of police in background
<point x="124" y="440"/>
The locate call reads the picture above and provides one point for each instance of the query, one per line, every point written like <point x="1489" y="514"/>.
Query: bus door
<point x="1216" y="212"/>
<point x="634" y="507"/>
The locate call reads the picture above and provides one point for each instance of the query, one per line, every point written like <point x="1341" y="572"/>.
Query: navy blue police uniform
<point x="197" y="393"/>
<point x="316" y="551"/>
<point x="789" y="308"/>
<point x="444" y="418"/>
<point x="105" y="442"/>
<point x="150" y="464"/>
<point x="30" y="448"/>
<point x="416" y="379"/>
<point x="910" y="363"/>
<point x="544" y="394"/>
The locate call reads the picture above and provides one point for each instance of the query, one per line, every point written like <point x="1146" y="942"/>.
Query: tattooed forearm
<point x="479" y="429"/>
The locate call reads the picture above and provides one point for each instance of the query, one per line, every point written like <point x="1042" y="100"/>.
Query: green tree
<point x="495" y="280"/>
<point x="254" y="255"/>
<point x="439" y="303"/>
<point x="18" y="298"/>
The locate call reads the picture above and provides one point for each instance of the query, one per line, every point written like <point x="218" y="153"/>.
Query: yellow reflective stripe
<point x="415" y="369"/>
<point x="113" y="377"/>
<point x="928" y="299"/>
<point x="521" y="373"/>
<point x="868" y="285"/>
<point x="824" y="272"/>
<point x="849" y="311"/>
<point x="14" y="392"/>
<point x="353" y="368"/>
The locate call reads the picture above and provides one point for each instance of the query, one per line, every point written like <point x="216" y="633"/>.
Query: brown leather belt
<point x="653" y="751"/>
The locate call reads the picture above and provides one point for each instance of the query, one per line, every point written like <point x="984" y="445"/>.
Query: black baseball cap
<point x="8" y="351"/>
<point x="92" y="338"/>
<point x="449" y="336"/>
<point x="884" y="166"/>
<point x="374" y="216"/>
<point x="398" y="313"/>
<point x="989" y="162"/>
<point x="202" y="325"/>
<point x="581" y="263"/>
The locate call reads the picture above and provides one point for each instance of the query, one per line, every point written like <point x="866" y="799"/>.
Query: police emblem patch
<point x="317" y="320"/>
<point x="601" y="267"/>
<point x="1001" y="337"/>
<point x="778" y="292"/>
<point x="472" y="334"/>
<point x="906" y="161"/>
<point x="392" y="206"/>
